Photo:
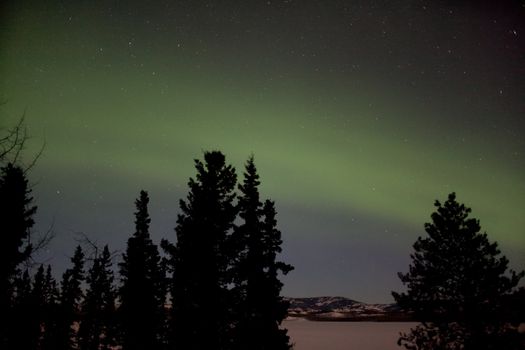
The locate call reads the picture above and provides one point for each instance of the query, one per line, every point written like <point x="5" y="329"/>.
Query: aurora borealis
<point x="359" y="113"/>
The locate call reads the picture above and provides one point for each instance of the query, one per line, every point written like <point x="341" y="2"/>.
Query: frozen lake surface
<point x="308" y="335"/>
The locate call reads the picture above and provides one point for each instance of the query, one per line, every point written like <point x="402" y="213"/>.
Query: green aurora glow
<point x="135" y="113"/>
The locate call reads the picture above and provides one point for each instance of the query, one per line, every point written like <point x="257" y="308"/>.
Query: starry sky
<point x="359" y="113"/>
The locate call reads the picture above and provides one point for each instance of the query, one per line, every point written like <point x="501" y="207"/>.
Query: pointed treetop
<point x="249" y="202"/>
<point x="251" y="178"/>
<point x="106" y="254"/>
<point x="78" y="255"/>
<point x="142" y="219"/>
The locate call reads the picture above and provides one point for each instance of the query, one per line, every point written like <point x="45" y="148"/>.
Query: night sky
<point x="359" y="113"/>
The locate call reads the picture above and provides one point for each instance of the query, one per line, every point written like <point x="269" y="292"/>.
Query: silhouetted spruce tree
<point x="50" y="312"/>
<point x="16" y="220"/>
<point x="259" y="308"/>
<point x="142" y="294"/>
<point x="23" y="328"/>
<point x="70" y="301"/>
<point x="456" y="284"/>
<point x="41" y="330"/>
<point x="37" y="305"/>
<point x="200" y="258"/>
<point x="98" y="328"/>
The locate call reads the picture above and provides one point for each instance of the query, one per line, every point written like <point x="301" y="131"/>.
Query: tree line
<point x="216" y="287"/>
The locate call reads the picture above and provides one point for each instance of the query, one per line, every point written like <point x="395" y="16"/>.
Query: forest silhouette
<point x="217" y="284"/>
<point x="216" y="287"/>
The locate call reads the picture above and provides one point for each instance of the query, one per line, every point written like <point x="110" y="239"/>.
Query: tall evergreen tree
<point x="22" y="325"/>
<point x="16" y="221"/>
<point x="41" y="330"/>
<point x="457" y="283"/>
<point x="50" y="312"/>
<point x="259" y="308"/>
<point x="37" y="304"/>
<point x="98" y="323"/>
<point x="70" y="300"/>
<point x="200" y="258"/>
<point x="142" y="294"/>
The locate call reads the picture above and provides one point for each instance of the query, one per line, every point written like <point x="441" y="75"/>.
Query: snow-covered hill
<point x="343" y="309"/>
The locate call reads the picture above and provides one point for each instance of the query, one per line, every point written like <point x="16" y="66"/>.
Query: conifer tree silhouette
<point x="142" y="294"/>
<point x="16" y="221"/>
<point x="456" y="284"/>
<point x="42" y="306"/>
<point x="22" y="325"/>
<point x="200" y="258"/>
<point x="70" y="300"/>
<point x="50" y="312"/>
<point x="37" y="305"/>
<point x="259" y="308"/>
<point x="98" y="323"/>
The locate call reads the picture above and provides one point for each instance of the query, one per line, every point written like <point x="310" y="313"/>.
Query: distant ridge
<point x="326" y="308"/>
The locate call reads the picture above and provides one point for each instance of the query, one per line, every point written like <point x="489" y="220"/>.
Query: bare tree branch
<point x="39" y="245"/>
<point x="93" y="246"/>
<point x="84" y="240"/>
<point x="35" y="158"/>
<point x="44" y="240"/>
<point x="13" y="144"/>
<point x="14" y="140"/>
